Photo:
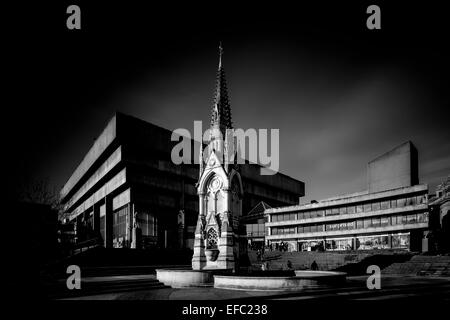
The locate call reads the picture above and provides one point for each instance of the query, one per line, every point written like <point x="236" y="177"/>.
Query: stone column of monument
<point x="226" y="242"/>
<point x="199" y="258"/>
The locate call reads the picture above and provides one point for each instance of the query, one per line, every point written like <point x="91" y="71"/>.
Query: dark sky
<point x="339" y="93"/>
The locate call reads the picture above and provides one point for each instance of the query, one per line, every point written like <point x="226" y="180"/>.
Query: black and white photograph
<point x="231" y="159"/>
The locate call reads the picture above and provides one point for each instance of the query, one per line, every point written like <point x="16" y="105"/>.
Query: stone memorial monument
<point x="219" y="239"/>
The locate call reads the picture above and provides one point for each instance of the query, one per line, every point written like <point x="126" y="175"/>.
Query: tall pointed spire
<point x="221" y="111"/>
<point x="220" y="54"/>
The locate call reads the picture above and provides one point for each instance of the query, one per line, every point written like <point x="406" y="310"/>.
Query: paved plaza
<point x="392" y="288"/>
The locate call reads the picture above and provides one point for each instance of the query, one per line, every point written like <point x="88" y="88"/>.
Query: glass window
<point x="351" y="210"/>
<point x="119" y="226"/>
<point x="372" y="242"/>
<point x="367" y="223"/>
<point x="307" y="214"/>
<point x="301" y="216"/>
<point x="403" y="219"/>
<point x="422" y="217"/>
<point x="384" y="221"/>
<point x="313" y="228"/>
<point x="147" y="223"/>
<point x="393" y="220"/>
<point x="367" y="207"/>
<point x="307" y="228"/>
<point x="313" y="214"/>
<point x="394" y="203"/>
<point x="248" y="229"/>
<point x="300" y="229"/>
<point x="339" y="244"/>
<point x="420" y="199"/>
<point x="411" y="201"/>
<point x="376" y="222"/>
<point x="343" y="210"/>
<point x="359" y="208"/>
<point x="274" y="218"/>
<point x="102" y="227"/>
<point x="320" y="213"/>
<point x="328" y="212"/>
<point x="359" y="224"/>
<point x="351" y="225"/>
<point x="385" y="205"/>
<point x="292" y="216"/>
<point x="401" y="202"/>
<point x="334" y="211"/>
<point x="89" y="221"/>
<point x="400" y="241"/>
<point x="412" y="218"/>
<point x="376" y="206"/>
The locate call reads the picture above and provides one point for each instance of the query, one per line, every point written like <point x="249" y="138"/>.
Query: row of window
<point x="357" y="208"/>
<point x="397" y="241"/>
<point x="255" y="229"/>
<point x="146" y="222"/>
<point x="372" y="222"/>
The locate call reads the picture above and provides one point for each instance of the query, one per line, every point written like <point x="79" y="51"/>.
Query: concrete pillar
<point x="78" y="227"/>
<point x="96" y="219"/>
<point x="108" y="222"/>
<point x="130" y="223"/>
<point x="165" y="239"/>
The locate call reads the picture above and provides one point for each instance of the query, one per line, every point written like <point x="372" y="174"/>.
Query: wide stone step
<point x="103" y="285"/>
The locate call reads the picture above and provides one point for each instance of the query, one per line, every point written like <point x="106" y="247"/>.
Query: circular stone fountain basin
<point x="302" y="280"/>
<point x="184" y="278"/>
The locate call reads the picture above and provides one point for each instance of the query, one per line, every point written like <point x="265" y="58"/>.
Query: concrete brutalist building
<point x="391" y="214"/>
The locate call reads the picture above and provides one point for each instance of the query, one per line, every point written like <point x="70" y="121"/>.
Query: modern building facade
<point x="255" y="224"/>
<point x="128" y="192"/>
<point x="391" y="214"/>
<point x="439" y="204"/>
